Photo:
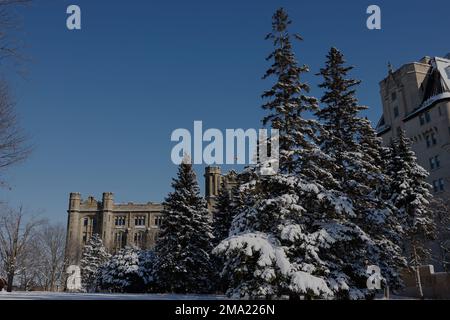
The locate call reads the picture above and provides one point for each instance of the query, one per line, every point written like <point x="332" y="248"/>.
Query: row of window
<point x="139" y="240"/>
<point x="424" y="118"/>
<point x="119" y="221"/>
<point x="138" y="221"/>
<point x="430" y="139"/>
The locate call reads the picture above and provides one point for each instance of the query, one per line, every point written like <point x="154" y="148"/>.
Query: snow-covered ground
<point x="98" y="296"/>
<point x="85" y="296"/>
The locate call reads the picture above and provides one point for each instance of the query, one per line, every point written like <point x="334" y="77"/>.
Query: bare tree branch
<point x="17" y="235"/>
<point x="9" y="23"/>
<point x="13" y="148"/>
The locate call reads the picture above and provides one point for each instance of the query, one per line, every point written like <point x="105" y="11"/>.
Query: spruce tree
<point x="93" y="257"/>
<point x="277" y="233"/>
<point x="367" y="235"/>
<point x="380" y="217"/>
<point x="223" y="213"/>
<point x="128" y="271"/>
<point x="183" y="263"/>
<point x="411" y="196"/>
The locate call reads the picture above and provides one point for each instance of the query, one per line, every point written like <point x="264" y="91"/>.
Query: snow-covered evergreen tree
<point x="380" y="217"/>
<point x="277" y="235"/>
<point x="183" y="263"/>
<point x="129" y="271"/>
<point x="223" y="213"/>
<point x="411" y="195"/>
<point x="93" y="257"/>
<point x="369" y="236"/>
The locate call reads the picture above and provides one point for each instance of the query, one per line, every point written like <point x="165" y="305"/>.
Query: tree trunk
<point x="418" y="279"/>
<point x="10" y="280"/>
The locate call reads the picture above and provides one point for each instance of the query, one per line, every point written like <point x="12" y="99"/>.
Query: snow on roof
<point x="437" y="85"/>
<point x="443" y="65"/>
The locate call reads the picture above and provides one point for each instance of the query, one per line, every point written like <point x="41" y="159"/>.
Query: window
<point x="139" y="238"/>
<point x="396" y="112"/>
<point x="89" y="225"/>
<point x="139" y="221"/>
<point x="441" y="184"/>
<point x="422" y="119"/>
<point x="399" y="131"/>
<point x="158" y="221"/>
<point x="119" y="221"/>
<point x="431" y="140"/>
<point x="435" y="163"/>
<point x="438" y="185"/>
<point x="394" y="96"/>
<point x="427" y="117"/>
<point x="120" y="240"/>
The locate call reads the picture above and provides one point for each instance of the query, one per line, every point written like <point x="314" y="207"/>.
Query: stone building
<point x="125" y="224"/>
<point x="416" y="98"/>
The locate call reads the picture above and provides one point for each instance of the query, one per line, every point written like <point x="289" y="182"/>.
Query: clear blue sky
<point x="100" y="103"/>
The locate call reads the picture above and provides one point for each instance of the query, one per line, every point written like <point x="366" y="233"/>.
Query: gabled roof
<point x="435" y="86"/>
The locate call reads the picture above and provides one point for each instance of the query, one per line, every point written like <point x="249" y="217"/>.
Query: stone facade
<point x="435" y="285"/>
<point x="416" y="98"/>
<point x="125" y="224"/>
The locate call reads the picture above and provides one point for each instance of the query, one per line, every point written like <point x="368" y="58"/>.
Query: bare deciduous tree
<point x="17" y="234"/>
<point x="51" y="245"/>
<point x="13" y="148"/>
<point x="9" y="47"/>
<point x="441" y="209"/>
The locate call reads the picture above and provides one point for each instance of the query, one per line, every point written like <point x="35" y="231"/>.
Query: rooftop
<point x="436" y="88"/>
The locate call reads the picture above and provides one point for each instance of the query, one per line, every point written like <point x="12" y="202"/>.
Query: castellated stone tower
<point x="72" y="247"/>
<point x="125" y="224"/>
<point x="213" y="181"/>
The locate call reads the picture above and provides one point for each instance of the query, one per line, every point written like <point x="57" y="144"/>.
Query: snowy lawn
<point x="86" y="296"/>
<point x="99" y="296"/>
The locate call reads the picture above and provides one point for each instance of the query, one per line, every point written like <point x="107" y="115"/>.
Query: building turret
<point x="212" y="185"/>
<point x="108" y="201"/>
<point x="107" y="218"/>
<point x="73" y="229"/>
<point x="212" y="181"/>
